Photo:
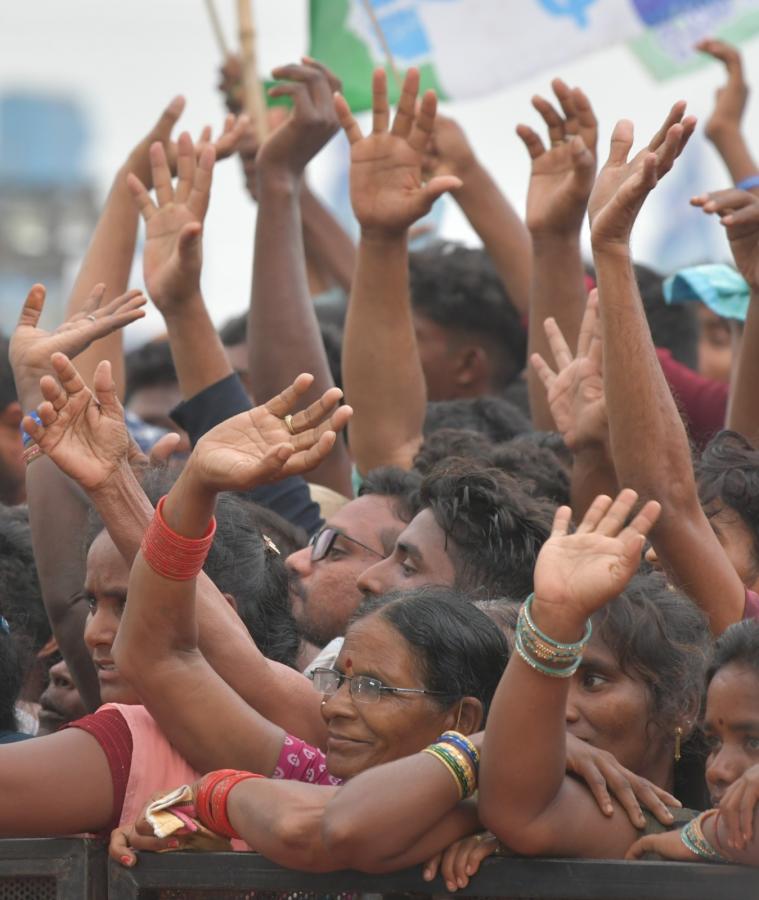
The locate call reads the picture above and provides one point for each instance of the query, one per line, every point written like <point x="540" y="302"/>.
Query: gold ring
<point x="288" y="420"/>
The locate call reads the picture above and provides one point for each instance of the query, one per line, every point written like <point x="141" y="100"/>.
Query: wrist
<point x="556" y="619"/>
<point x="610" y="249"/>
<point x="384" y="238"/>
<point x="550" y="241"/>
<point x="182" y="308"/>
<point x="474" y="177"/>
<point x="119" y="482"/>
<point x="277" y="179"/>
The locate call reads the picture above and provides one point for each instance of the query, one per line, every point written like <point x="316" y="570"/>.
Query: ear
<point x="12" y="415"/>
<point x="472" y="365"/>
<point x="469" y="720"/>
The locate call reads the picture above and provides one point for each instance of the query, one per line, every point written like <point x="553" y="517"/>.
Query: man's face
<point x="421" y="556"/>
<point x="323" y="593"/>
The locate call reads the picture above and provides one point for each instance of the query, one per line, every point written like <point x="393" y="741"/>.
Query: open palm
<point x="580" y="572"/>
<point x="256" y="446"/>
<point x="83" y="433"/>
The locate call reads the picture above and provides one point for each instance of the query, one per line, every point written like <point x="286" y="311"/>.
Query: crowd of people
<point x="510" y="590"/>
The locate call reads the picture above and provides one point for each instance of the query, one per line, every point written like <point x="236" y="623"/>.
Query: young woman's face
<point x="360" y="734"/>
<point x="731" y="726"/>
<point x="612" y="711"/>
<point x="106" y="589"/>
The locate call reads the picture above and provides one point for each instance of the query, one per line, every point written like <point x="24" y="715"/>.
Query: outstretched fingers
<point x="380" y="102"/>
<point x="589" y="325"/>
<point x="405" y="114"/>
<point x="347" y="120"/>
<point x="621" y="142"/>
<point x="33" y="306"/>
<point x="532" y="141"/>
<point x="141" y="197"/>
<point x="613" y="521"/>
<point x="286" y="401"/>
<point x="159" y="165"/>
<point x="559" y="347"/>
<point x="70" y="379"/>
<point x="185" y="167"/>
<point x="200" y="194"/>
<point x="674" y="116"/>
<point x="424" y="122"/>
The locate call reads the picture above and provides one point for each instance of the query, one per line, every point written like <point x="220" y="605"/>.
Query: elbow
<point x="298" y="846"/>
<point x="522" y="836"/>
<point x="348" y="842"/>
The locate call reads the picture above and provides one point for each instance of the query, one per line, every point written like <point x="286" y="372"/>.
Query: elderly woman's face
<point x="105" y="589"/>
<point x="360" y="734"/>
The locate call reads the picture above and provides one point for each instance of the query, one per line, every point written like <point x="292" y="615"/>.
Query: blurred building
<point x="47" y="206"/>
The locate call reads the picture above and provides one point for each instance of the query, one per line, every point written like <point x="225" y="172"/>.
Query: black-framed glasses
<point x="363" y="688"/>
<point x="322" y="542"/>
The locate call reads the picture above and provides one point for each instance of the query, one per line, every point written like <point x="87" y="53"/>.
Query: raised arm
<point x="283" y="332"/>
<point x="648" y="440"/>
<point x="499" y="227"/>
<point x="560" y="184"/>
<point x="576" y="399"/>
<point x="723" y="127"/>
<point x="739" y="213"/>
<point x="87" y="438"/>
<point x="53" y="498"/>
<point x="526" y="798"/>
<point x="382" y="372"/>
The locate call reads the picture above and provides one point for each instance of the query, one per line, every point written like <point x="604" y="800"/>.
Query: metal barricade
<point x="53" y="869"/>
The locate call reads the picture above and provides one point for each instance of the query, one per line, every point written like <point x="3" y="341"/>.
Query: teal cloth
<point x="720" y="287"/>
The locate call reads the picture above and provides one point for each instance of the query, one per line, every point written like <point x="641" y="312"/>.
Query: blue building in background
<point x="47" y="205"/>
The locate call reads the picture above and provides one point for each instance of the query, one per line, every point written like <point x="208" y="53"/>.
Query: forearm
<point x="199" y="356"/>
<point x="60" y="556"/>
<point x="733" y="148"/>
<point x="593" y="473"/>
<point x="743" y="404"/>
<point x="382" y="372"/>
<point x="658" y="467"/>
<point x="108" y="260"/>
<point x="284" y="338"/>
<point x="326" y="239"/>
<point x="502" y="232"/>
<point x="558" y="291"/>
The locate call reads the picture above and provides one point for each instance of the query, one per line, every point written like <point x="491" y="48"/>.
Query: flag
<point x="466" y="48"/>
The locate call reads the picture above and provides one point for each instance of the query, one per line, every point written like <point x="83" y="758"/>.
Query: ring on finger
<point x="288" y="420"/>
<point x="91" y="318"/>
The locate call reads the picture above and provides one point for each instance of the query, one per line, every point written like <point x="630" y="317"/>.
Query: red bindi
<point x="348" y="663"/>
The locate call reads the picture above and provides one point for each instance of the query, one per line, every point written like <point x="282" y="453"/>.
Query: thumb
<point x="440" y="185"/>
<point x="582" y="158"/>
<point x="189" y="241"/>
<point x="163" y="448"/>
<point x="33" y="306"/>
<point x="275" y="459"/>
<point x="105" y="389"/>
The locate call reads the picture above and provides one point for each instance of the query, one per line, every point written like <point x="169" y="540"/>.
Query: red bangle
<point x="211" y="800"/>
<point x="170" y="554"/>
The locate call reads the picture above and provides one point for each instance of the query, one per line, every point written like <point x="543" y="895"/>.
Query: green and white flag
<point x="466" y="48"/>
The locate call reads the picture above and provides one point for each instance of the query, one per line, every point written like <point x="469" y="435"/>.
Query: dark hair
<point x="460" y="650"/>
<point x="496" y="529"/>
<point x="737" y="644"/>
<point x="538" y="469"/>
<point x="234" y="331"/>
<point x="242" y="565"/>
<point x="728" y="475"/>
<point x="8" y="393"/>
<point x="149" y="365"/>
<point x="494" y="417"/>
<point x="459" y="289"/>
<point x="661" y="638"/>
<point x="12" y="672"/>
<point x="400" y="486"/>
<point x="20" y="592"/>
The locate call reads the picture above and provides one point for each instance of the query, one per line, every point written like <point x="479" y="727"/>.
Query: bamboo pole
<point x="383" y="43"/>
<point x="216" y="28"/>
<point x="253" y="93"/>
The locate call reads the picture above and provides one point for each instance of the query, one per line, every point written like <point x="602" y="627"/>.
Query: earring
<point x="678" y="739"/>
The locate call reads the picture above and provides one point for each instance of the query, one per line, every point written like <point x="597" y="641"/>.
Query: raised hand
<point x="448" y="151"/>
<point x="562" y="176"/>
<point x="387" y="191"/>
<point x="172" y="256"/>
<point x="83" y="432"/>
<point x="576" y="574"/>
<point x="739" y="213"/>
<point x="31" y="347"/>
<point x="139" y="162"/>
<point x="730" y="100"/>
<point x="623" y="185"/>
<point x="257" y="446"/>
<point x="576" y="390"/>
<point x="310" y="125"/>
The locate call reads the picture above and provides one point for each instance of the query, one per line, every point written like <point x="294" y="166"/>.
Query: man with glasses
<point x="323" y="575"/>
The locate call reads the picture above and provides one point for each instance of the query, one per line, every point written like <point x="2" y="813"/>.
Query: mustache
<point x="295" y="586"/>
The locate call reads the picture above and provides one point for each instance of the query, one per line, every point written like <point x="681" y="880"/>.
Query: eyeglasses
<point x="362" y="688"/>
<point x="321" y="543"/>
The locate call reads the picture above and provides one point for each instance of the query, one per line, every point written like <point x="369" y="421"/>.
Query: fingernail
<point x="608" y="809"/>
<point x="451" y="887"/>
<point x="126" y="860"/>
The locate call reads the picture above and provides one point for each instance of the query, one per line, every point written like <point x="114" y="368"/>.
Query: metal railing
<point x="53" y="869"/>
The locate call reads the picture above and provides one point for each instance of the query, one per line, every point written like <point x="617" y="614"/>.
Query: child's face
<point x="731" y="726"/>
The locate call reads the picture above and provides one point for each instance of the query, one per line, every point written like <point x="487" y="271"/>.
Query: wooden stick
<point x="253" y="93"/>
<point x="383" y="43"/>
<point x="216" y="28"/>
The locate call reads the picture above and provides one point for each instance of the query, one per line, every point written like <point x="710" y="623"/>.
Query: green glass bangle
<point x="575" y="648"/>
<point x="566" y="672"/>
